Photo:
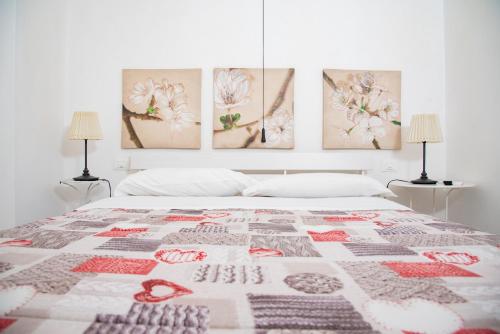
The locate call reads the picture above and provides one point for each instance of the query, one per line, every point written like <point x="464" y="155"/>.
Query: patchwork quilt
<point x="248" y="271"/>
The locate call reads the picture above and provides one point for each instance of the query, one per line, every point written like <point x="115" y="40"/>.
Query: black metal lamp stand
<point x="86" y="175"/>
<point x="423" y="177"/>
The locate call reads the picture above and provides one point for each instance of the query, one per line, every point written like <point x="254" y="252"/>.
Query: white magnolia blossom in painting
<point x="142" y="93"/>
<point x="164" y="100"/>
<point x="279" y="127"/>
<point x="371" y="128"/>
<point x="172" y="103"/>
<point x="366" y="105"/>
<point x="232" y="89"/>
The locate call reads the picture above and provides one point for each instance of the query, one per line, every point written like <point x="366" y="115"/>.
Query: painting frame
<point x="361" y="109"/>
<point x="238" y="114"/>
<point x="161" y="108"/>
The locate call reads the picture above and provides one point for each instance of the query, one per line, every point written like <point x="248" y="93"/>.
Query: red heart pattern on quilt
<point x="173" y="256"/>
<point x="23" y="242"/>
<point x="147" y="295"/>
<point x="261" y="252"/>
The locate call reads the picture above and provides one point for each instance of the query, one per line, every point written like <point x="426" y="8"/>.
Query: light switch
<point x="121" y="164"/>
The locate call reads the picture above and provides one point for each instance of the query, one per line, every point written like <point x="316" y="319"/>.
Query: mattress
<point x="248" y="265"/>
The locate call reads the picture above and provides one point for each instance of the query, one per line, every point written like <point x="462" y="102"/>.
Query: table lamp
<point x="424" y="128"/>
<point x="85" y="125"/>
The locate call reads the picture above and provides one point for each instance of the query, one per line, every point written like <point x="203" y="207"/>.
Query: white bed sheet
<point x="164" y="202"/>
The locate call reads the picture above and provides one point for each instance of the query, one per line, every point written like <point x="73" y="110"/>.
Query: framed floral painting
<point x="238" y="108"/>
<point x="361" y="109"/>
<point x="161" y="108"/>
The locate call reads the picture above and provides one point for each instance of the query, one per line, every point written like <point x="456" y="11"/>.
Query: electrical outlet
<point x="387" y="166"/>
<point x="121" y="164"/>
<point x="389" y="169"/>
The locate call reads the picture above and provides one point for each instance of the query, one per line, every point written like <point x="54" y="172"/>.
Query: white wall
<point x="107" y="36"/>
<point x="8" y="112"/>
<point x="40" y="81"/>
<point x="70" y="55"/>
<point x="472" y="31"/>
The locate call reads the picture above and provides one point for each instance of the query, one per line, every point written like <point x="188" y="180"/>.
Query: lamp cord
<point x="388" y="183"/>
<point x="263" y="137"/>
<point x="109" y="185"/>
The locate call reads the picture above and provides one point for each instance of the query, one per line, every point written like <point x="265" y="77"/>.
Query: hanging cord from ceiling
<point x="263" y="137"/>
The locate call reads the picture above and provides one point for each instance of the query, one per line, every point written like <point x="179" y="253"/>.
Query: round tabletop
<point x="438" y="185"/>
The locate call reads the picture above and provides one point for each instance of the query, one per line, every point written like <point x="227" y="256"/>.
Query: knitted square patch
<point x="431" y="240"/>
<point x="84" y="224"/>
<point x="19" y="232"/>
<point x="54" y="239"/>
<point x="380" y="282"/>
<point x="271" y="228"/>
<point x="283" y="220"/>
<point x="328" y="212"/>
<point x="332" y="236"/>
<point x="372" y="249"/>
<point x="191" y="238"/>
<point x="116" y="266"/>
<point x="400" y="229"/>
<point x="186" y="212"/>
<point x="287" y="246"/>
<point x="306" y="312"/>
<point x="120" y="232"/>
<point x="230" y="274"/>
<point x="205" y="229"/>
<point x="150" y="318"/>
<point x="52" y="276"/>
<point x="428" y="269"/>
<point x="131" y="245"/>
<point x="452" y="227"/>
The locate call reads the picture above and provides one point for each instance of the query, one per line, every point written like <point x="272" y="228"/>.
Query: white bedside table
<point x="88" y="186"/>
<point x="439" y="186"/>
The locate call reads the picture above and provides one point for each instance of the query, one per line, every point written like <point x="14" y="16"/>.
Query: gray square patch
<point x="380" y="282"/>
<point x="372" y="249"/>
<point x="131" y="245"/>
<point x="306" y="312"/>
<point x="53" y="275"/>
<point x="289" y="246"/>
<point x="426" y="240"/>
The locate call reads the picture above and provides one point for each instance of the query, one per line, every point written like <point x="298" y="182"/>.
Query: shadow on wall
<point x="74" y="149"/>
<point x="402" y="160"/>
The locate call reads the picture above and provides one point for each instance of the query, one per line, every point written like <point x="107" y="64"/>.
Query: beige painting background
<point x="251" y="113"/>
<point x="334" y="120"/>
<point x="157" y="134"/>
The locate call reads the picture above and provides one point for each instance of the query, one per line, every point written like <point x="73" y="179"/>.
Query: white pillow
<point x="311" y="185"/>
<point x="184" y="182"/>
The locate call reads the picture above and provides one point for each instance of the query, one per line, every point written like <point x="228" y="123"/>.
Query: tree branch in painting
<point x="127" y="115"/>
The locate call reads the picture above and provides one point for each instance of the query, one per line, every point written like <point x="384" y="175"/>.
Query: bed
<point x="152" y="264"/>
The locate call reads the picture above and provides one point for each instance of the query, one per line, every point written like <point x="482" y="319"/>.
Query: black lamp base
<point x="86" y="175"/>
<point x="86" y="178"/>
<point x="423" y="176"/>
<point x="423" y="181"/>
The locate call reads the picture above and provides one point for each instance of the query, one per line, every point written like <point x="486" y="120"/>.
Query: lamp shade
<point x="85" y="125"/>
<point x="425" y="128"/>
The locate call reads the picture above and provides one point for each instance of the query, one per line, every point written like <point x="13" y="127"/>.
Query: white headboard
<point x="274" y="162"/>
